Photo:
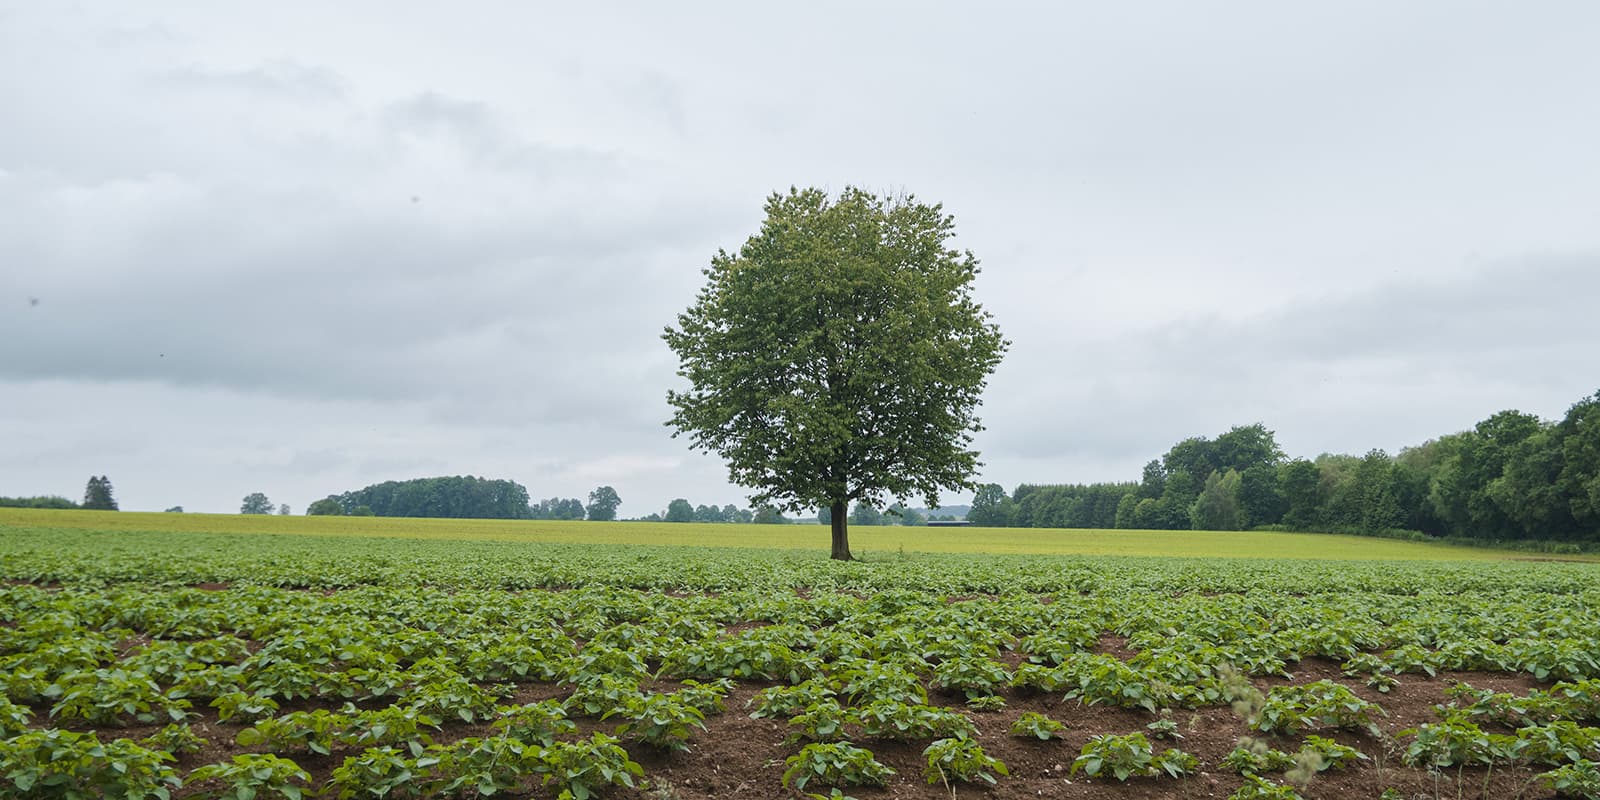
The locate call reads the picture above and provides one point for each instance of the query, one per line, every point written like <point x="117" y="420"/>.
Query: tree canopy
<point x="255" y="503"/>
<point x="457" y="497"/>
<point x="603" y="502"/>
<point x="97" y="494"/>
<point x="838" y="356"/>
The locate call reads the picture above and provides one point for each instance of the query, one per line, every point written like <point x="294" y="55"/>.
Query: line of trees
<point x="1512" y="477"/>
<point x="681" y="510"/>
<point x="864" y="514"/>
<point x="464" y="497"/>
<point x="97" y="496"/>
<point x="459" y="497"/>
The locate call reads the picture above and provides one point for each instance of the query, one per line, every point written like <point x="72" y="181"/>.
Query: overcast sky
<point x="298" y="248"/>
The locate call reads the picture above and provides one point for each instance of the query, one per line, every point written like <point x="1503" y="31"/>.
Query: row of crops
<point x="408" y="669"/>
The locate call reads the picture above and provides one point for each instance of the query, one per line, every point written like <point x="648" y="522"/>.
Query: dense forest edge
<point x="1513" y="480"/>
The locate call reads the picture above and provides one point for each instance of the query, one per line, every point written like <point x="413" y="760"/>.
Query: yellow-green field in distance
<point x="864" y="541"/>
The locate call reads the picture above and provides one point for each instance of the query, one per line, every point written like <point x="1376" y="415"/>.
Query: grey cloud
<point x="285" y="80"/>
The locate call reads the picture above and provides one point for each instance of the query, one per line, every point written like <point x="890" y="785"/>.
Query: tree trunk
<point x="841" y="531"/>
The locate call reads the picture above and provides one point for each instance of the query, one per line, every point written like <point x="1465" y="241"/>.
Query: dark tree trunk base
<point x="841" y="532"/>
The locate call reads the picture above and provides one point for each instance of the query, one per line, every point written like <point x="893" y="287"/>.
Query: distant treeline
<point x="1513" y="477"/>
<point x="463" y="497"/>
<point x="460" y="496"/>
<point x="47" y="501"/>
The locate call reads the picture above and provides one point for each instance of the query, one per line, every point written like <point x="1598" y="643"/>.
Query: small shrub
<point x="175" y="738"/>
<point x="960" y="759"/>
<point x="658" y="720"/>
<point x="1130" y="756"/>
<point x="834" y="764"/>
<point x="579" y="769"/>
<point x="253" y="775"/>
<point x="52" y="764"/>
<point x="1258" y="788"/>
<point x="1037" y="725"/>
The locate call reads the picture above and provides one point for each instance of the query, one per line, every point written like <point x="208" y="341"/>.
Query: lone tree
<point x="255" y="503"/>
<point x="97" y="494"/>
<point x="838" y="356"/>
<point x="603" y="502"/>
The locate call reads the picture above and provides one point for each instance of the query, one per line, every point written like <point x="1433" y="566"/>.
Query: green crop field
<point x="868" y="541"/>
<point x="209" y="656"/>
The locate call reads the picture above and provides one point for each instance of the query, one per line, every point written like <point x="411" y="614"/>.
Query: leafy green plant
<point x="13" y="718"/>
<point x="960" y="759"/>
<point x="1129" y="756"/>
<point x="1255" y="756"/>
<point x="52" y="764"/>
<point x="113" y="697"/>
<point x="1578" y="779"/>
<point x="869" y="681"/>
<point x="892" y="719"/>
<point x="390" y="725"/>
<point x="709" y="698"/>
<point x="485" y="766"/>
<point x="834" y="764"/>
<point x="1165" y="728"/>
<point x="308" y="731"/>
<point x="822" y="721"/>
<point x="658" y="720"/>
<point x="452" y="696"/>
<point x="175" y="738"/>
<point x="1256" y="787"/>
<point x="1104" y="679"/>
<point x="1039" y="726"/>
<point x="598" y="695"/>
<point x="987" y="703"/>
<point x="1558" y="743"/>
<point x="379" y="773"/>
<point x="787" y="701"/>
<point x="539" y="722"/>
<point x="1330" y="754"/>
<point x="1288" y="709"/>
<point x="579" y="769"/>
<point x="1453" y="742"/>
<point x="244" y="707"/>
<point x="253" y="775"/>
<point x="973" y="677"/>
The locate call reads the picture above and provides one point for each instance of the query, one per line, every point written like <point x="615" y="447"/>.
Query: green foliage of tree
<point x="865" y="515"/>
<point x="97" y="495"/>
<point x="912" y="518"/>
<point x="769" y="515"/>
<point x="679" y="510"/>
<point x="1261" y="497"/>
<point x="283" y="510"/>
<point x="603" y="502"/>
<point x="1171" y="512"/>
<point x="326" y="507"/>
<point x="1302" y="493"/>
<point x="1246" y="446"/>
<point x="991" y="507"/>
<point x="1217" y="508"/>
<point x="1091" y="505"/>
<point x="46" y="501"/>
<point x="455" y="497"/>
<point x="1578" y="480"/>
<point x="558" y="508"/>
<point x="838" y="356"/>
<point x="255" y="503"/>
